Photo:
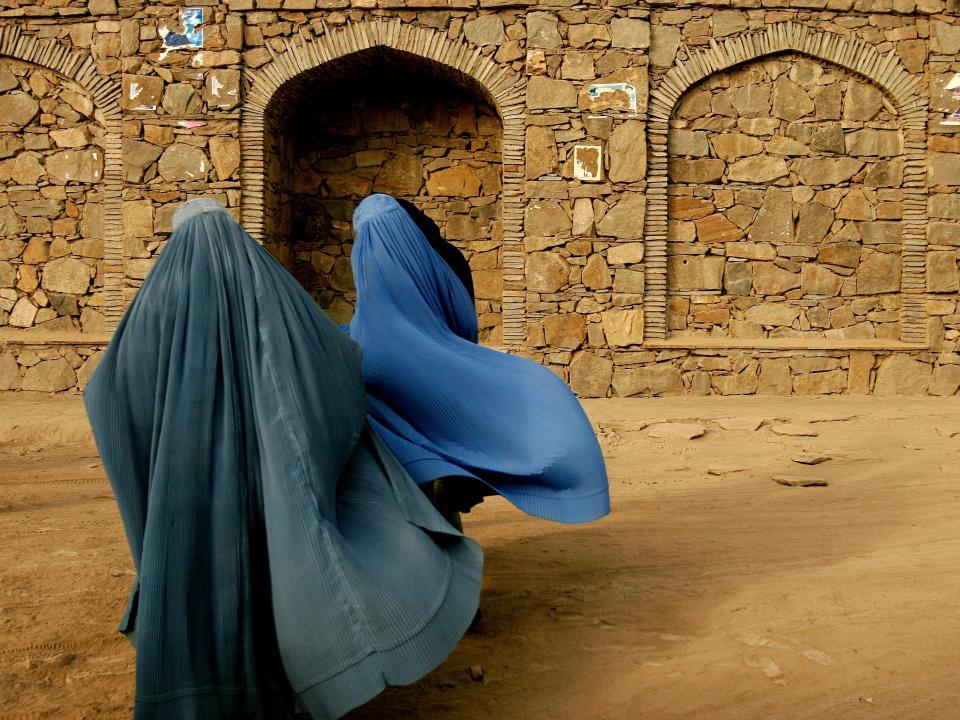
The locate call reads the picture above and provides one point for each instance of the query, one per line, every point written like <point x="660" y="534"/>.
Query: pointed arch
<point x="503" y="87"/>
<point x="855" y="55"/>
<point x="80" y="67"/>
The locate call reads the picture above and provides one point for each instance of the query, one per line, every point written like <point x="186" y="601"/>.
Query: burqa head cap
<point x="192" y="208"/>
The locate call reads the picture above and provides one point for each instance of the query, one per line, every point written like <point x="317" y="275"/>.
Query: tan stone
<point x="543" y="31"/>
<point x="623" y="327"/>
<point x="565" y="331"/>
<point x="696" y="171"/>
<point x="664" y="43"/>
<point x="768" y="279"/>
<point x="488" y="284"/>
<point x="590" y="374"/>
<point x="627" y="151"/>
<point x="688" y="272"/>
<point x="183" y="162"/>
<point x="688" y="142"/>
<point x="180" y="99"/>
<point x="913" y="54"/>
<point x="774" y="223"/>
<point x="813" y="224"/>
<point x="625" y="253"/>
<point x="862" y="101"/>
<point x="944" y="169"/>
<point x="18" y="108"/>
<point x="816" y="280"/>
<point x="728" y="22"/>
<point x="37" y="251"/>
<point x="826" y="171"/>
<point x="775" y="378"/>
<point x="886" y="173"/>
<point x="744" y="382"/>
<point x="758" y="169"/>
<point x="829" y="138"/>
<point x="222" y="89"/>
<point x="596" y="275"/>
<point x="70" y="137"/>
<point x="546" y="218"/>
<point x="660" y="379"/>
<point x="684" y="207"/>
<point x="780" y="145"/>
<point x="546" y="272"/>
<point x="855" y="206"/>
<point x="485" y="30"/>
<point x="23" y="313"/>
<point x="759" y="126"/>
<point x="772" y="314"/>
<point x="945" y="37"/>
<point x="942" y="273"/>
<point x="10" y="378"/>
<point x="945" y="206"/>
<point x="717" y="229"/>
<point x="885" y="232"/>
<point x="141" y="92"/>
<point x="750" y="250"/>
<point x="629" y="33"/>
<point x="750" y="101"/>
<point x="541" y="151"/>
<point x="50" y="376"/>
<point x="900" y="374"/>
<point x="225" y="156"/>
<point x="140" y="155"/>
<point x="577" y="66"/>
<point x="874" y="142"/>
<point x="879" y="273"/>
<point x="945" y="380"/>
<point x="790" y="101"/>
<point x="66" y="275"/>
<point x="544" y="93"/>
<point x="731" y="146"/>
<point x="941" y="233"/>
<point x="583" y="218"/>
<point x="24" y="169"/>
<point x="820" y="383"/>
<point x="628" y="281"/>
<point x="400" y="175"/>
<point x="625" y="219"/>
<point x="138" y="218"/>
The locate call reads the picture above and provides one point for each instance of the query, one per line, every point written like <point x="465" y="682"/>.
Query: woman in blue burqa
<point x="448" y="408"/>
<point x="285" y="560"/>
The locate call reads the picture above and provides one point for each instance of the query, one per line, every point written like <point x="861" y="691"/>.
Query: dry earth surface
<point x="711" y="591"/>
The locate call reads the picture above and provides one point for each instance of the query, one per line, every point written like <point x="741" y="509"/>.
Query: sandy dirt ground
<point x="711" y="591"/>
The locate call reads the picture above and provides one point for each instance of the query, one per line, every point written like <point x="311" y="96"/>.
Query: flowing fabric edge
<point x="409" y="661"/>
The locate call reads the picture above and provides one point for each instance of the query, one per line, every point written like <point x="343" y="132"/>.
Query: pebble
<point x="725" y="469"/>
<point x="793" y="430"/>
<point x="748" y="424"/>
<point x="476" y="673"/>
<point x="676" y="431"/>
<point x="800" y="482"/>
<point x="810" y="458"/>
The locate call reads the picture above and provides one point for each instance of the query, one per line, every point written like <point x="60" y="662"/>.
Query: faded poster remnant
<point x="614" y="96"/>
<point x="588" y="162"/>
<point x="189" y="35"/>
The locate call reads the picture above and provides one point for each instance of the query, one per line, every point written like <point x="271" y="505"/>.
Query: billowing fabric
<point x="448" y="407"/>
<point x="285" y="560"/>
<point x="448" y="252"/>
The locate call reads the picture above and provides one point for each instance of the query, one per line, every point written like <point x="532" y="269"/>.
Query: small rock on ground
<point x="801" y="482"/>
<point x="676" y="431"/>
<point x="810" y="458"/>
<point x="794" y="430"/>
<point x="748" y="424"/>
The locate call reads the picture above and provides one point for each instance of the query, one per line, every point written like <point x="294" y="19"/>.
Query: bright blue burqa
<point x="284" y="558"/>
<point x="448" y="407"/>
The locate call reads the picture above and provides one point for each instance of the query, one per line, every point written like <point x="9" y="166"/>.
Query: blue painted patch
<point x="192" y="36"/>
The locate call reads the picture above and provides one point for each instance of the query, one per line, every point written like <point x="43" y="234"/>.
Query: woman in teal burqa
<point x="285" y="560"/>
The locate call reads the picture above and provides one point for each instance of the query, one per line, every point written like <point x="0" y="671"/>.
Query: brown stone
<point x="751" y="251"/>
<point x="688" y="142"/>
<point x="545" y="93"/>
<point x="862" y="101"/>
<point x="874" y="142"/>
<point x="400" y="175"/>
<point x="66" y="275"/>
<point x="10" y="378"/>
<point x="941" y="233"/>
<point x="829" y="138"/>
<point x="547" y="272"/>
<point x="942" y="273"/>
<point x="717" y="229"/>
<point x="222" y="90"/>
<point x="625" y="253"/>
<point x="541" y="151"/>
<point x="629" y="33"/>
<point x="885" y="232"/>
<point x="180" y="99"/>
<point x="861" y="365"/>
<point x="684" y="207"/>
<point x="689" y="272"/>
<point x="731" y="146"/>
<point x="628" y="281"/>
<point x="855" y="206"/>
<point x="844" y="254"/>
<point x="546" y="218"/>
<point x="945" y="206"/>
<point x="775" y="378"/>
<point x="456" y="181"/>
<point x="944" y="169"/>
<point x="879" y="273"/>
<point x="18" y="108"/>
<point x="820" y="383"/>
<point x="790" y="101"/>
<point x="816" y="280"/>
<point x="75" y="137"/>
<point x="590" y="374"/>
<point x="488" y="284"/>
<point x="744" y="382"/>
<point x="696" y="171"/>
<point x="750" y="100"/>
<point x="50" y="376"/>
<point x="138" y="218"/>
<point x="900" y="374"/>
<point x="768" y="279"/>
<point x="773" y="314"/>
<point x="758" y="169"/>
<point x="616" y="100"/>
<point x="660" y="379"/>
<point x="886" y="173"/>
<point x="728" y="22"/>
<point x="627" y="150"/>
<point x="774" y="223"/>
<point x="913" y="54"/>
<point x="543" y="31"/>
<point x="23" y="313"/>
<point x="826" y="171"/>
<point x="183" y="162"/>
<point x="565" y="331"/>
<point x="24" y="169"/>
<point x="813" y="224"/>
<point x="945" y="37"/>
<point x="485" y="30"/>
<point x="141" y="92"/>
<point x="140" y="155"/>
<point x="625" y="219"/>
<point x="225" y="156"/>
<point x="596" y="274"/>
<point x="664" y="43"/>
<point x="945" y="380"/>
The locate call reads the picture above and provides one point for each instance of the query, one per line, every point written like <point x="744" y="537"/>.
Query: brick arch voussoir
<point x="503" y="87"/>
<point x="80" y="67"/>
<point x="855" y="55"/>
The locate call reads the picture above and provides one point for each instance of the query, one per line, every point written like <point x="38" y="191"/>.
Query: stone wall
<point x="51" y="225"/>
<point x="600" y="248"/>
<point x="786" y="207"/>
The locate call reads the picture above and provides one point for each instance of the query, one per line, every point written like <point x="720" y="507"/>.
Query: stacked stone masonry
<point x="726" y="197"/>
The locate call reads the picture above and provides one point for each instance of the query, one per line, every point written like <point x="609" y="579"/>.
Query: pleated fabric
<point x="448" y="407"/>
<point x="285" y="560"/>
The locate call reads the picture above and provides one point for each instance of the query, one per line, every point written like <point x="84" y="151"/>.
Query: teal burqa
<point x="285" y="560"/>
<point x="448" y="407"/>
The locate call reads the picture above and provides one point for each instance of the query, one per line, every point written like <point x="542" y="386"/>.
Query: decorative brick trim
<point x="80" y="67"/>
<point x="855" y="55"/>
<point x="503" y="87"/>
